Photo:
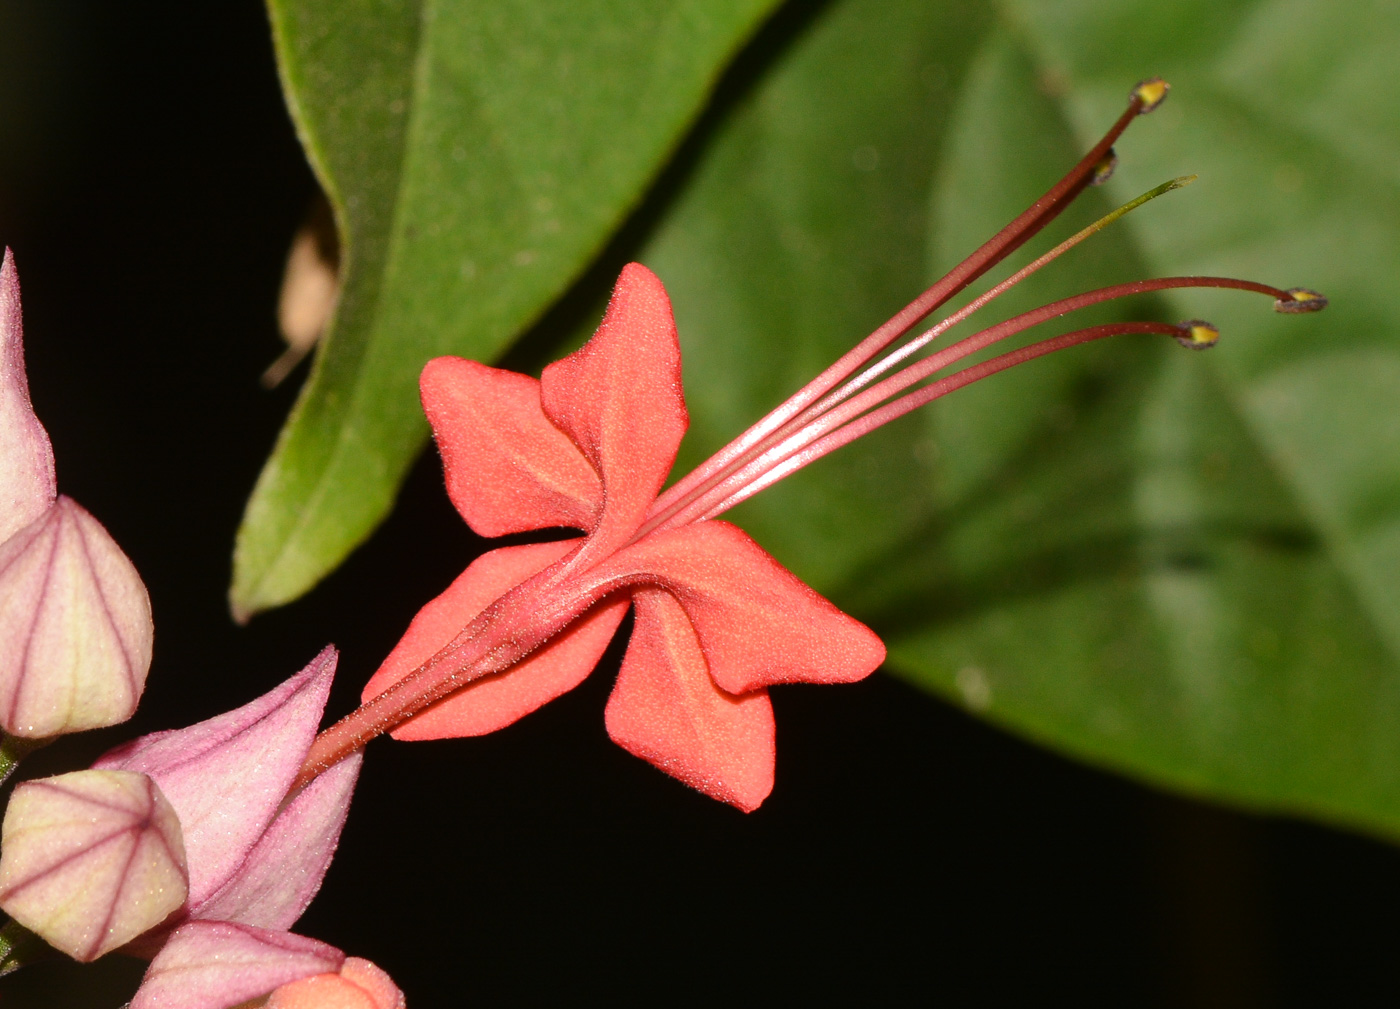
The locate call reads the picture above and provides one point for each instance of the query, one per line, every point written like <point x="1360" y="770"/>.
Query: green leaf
<point x="477" y="157"/>
<point x="1124" y="552"/>
<point x="1196" y="580"/>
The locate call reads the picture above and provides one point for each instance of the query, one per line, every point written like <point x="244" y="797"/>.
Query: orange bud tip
<point x="1197" y="334"/>
<point x="1300" y="300"/>
<point x="1103" y="171"/>
<point x="1151" y="93"/>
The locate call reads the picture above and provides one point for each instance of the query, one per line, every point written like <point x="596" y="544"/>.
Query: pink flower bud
<point x="26" y="458"/>
<point x="358" y="985"/>
<point x="75" y="626"/>
<point x="90" y="860"/>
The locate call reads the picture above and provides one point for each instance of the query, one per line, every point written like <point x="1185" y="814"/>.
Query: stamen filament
<point x="903" y="353"/>
<point x="1010" y="238"/>
<point x="702" y="503"/>
<point x="813" y="449"/>
<point x="981" y="301"/>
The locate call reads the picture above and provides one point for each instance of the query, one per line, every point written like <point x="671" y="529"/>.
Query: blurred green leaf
<point x="477" y="157"/>
<point x="1193" y="575"/>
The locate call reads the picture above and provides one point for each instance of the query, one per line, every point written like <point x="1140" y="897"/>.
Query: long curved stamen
<point x="845" y="434"/>
<point x="981" y="301"/>
<point x="1094" y="167"/>
<point x="703" y="503"/>
<point x="863" y="379"/>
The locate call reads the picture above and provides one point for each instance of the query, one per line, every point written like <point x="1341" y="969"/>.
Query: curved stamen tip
<point x="1197" y="334"/>
<point x="1103" y="170"/>
<point x="1151" y="93"/>
<point x="1300" y="300"/>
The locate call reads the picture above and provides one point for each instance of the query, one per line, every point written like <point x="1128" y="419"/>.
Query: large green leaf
<point x="1197" y="580"/>
<point x="1120" y="551"/>
<point x="477" y="156"/>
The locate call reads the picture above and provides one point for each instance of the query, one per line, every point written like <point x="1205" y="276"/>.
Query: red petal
<point x="494" y="702"/>
<point x="757" y="623"/>
<point x="667" y="710"/>
<point x="619" y="398"/>
<point x="508" y="468"/>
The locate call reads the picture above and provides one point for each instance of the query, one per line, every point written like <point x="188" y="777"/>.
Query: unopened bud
<point x="358" y="985"/>
<point x="1151" y="92"/>
<point x="90" y="860"/>
<point x="75" y="626"/>
<point x="1197" y="334"/>
<point x="26" y="457"/>
<point x="1300" y="300"/>
<point x="1103" y="171"/>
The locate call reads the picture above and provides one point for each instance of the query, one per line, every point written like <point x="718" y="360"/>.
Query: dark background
<point x="150" y="182"/>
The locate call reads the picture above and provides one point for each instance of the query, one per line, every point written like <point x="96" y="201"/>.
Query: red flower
<point x="717" y="619"/>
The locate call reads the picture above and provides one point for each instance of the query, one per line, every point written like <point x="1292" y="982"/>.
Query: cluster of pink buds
<point x="190" y="847"/>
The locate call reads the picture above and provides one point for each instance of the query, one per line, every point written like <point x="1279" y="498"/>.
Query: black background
<point x="149" y="184"/>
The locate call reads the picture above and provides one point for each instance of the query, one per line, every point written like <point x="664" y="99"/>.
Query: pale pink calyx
<point x="90" y="860"/>
<point x="258" y="846"/>
<point x="75" y="626"/>
<point x="219" y="964"/>
<point x="27" y="485"/>
<point x="228" y="777"/>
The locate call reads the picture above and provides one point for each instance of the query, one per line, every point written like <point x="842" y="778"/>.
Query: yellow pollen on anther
<point x="1151" y="92"/>
<point x="1198" y="334"/>
<point x="1300" y="300"/>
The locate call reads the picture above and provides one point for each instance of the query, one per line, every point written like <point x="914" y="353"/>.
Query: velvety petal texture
<point x="358" y="984"/>
<point x="90" y="860"/>
<point x="758" y="624"/>
<point x="666" y="709"/>
<point x="717" y="619"/>
<point x="75" y="626"/>
<point x="496" y="701"/>
<point x="226" y="777"/>
<point x="508" y="468"/>
<point x="282" y="873"/>
<point x="619" y="399"/>
<point x="219" y="964"/>
<point x="27" y="485"/>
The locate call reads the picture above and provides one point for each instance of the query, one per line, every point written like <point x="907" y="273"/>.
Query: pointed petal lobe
<point x="75" y="626"/>
<point x="619" y="398"/>
<point x="666" y="709"/>
<point x="227" y="776"/>
<point x="27" y="485"/>
<point x="90" y="860"/>
<point x="758" y="624"/>
<point x="508" y="468"/>
<point x="284" y="870"/>
<point x="495" y="701"/>
<point x="218" y="964"/>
